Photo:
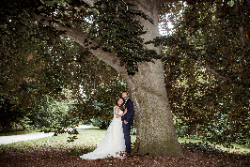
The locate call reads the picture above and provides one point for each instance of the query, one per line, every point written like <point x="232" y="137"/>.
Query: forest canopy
<point x="206" y="62"/>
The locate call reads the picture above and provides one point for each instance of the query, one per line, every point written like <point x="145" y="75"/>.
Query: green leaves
<point x="117" y="31"/>
<point x="230" y="3"/>
<point x="206" y="64"/>
<point x="50" y="3"/>
<point x="63" y="3"/>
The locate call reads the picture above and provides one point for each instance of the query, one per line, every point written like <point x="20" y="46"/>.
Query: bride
<point x="113" y="142"/>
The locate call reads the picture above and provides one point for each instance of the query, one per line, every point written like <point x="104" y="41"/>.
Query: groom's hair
<point x="125" y="92"/>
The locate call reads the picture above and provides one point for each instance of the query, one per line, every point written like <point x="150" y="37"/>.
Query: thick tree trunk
<point x="154" y="123"/>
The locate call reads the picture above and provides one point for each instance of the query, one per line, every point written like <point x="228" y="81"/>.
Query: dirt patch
<point x="57" y="158"/>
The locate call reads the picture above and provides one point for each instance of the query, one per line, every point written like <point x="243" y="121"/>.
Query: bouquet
<point x="121" y="155"/>
<point x="123" y="108"/>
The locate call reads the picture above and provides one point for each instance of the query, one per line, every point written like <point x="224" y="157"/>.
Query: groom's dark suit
<point x="126" y="127"/>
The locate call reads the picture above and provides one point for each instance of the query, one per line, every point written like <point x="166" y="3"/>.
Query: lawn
<point x="56" y="151"/>
<point x="88" y="138"/>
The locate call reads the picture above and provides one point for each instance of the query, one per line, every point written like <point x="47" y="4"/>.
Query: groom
<point x="127" y="120"/>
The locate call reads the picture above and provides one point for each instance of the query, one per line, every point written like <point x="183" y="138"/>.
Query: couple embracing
<point x="117" y="138"/>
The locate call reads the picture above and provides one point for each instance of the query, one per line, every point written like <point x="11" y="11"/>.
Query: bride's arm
<point x="125" y="111"/>
<point x="116" y="113"/>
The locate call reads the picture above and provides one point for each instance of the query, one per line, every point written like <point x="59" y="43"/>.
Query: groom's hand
<point x="125" y="122"/>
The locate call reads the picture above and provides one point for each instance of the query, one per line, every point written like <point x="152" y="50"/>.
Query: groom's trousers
<point x="126" y="131"/>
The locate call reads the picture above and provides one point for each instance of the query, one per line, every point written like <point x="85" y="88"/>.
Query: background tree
<point x="207" y="64"/>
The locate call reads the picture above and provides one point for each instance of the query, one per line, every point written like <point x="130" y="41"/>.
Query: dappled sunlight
<point x="55" y="150"/>
<point x="184" y="64"/>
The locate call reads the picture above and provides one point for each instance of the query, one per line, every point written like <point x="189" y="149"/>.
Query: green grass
<point x="87" y="141"/>
<point x="236" y="147"/>
<point x="18" y="132"/>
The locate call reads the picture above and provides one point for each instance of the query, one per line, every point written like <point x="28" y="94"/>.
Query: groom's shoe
<point x="127" y="153"/>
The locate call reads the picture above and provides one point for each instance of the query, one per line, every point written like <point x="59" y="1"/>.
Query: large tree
<point x="115" y="32"/>
<point x="209" y="70"/>
<point x="141" y="67"/>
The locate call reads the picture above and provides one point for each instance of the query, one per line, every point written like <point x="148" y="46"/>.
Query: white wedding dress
<point x="112" y="143"/>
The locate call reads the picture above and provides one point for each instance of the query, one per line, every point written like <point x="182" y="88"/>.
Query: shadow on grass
<point x="208" y="150"/>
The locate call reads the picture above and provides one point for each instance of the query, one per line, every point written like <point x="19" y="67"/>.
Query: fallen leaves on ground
<point x="61" y="158"/>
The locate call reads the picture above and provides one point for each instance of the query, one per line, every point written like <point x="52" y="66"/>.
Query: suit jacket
<point x="130" y="112"/>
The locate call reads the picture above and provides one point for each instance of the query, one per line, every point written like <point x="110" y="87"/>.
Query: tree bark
<point x="89" y="2"/>
<point x="154" y="122"/>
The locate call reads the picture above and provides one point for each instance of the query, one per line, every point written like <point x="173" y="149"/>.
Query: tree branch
<point x="89" y="2"/>
<point x="241" y="28"/>
<point x="211" y="71"/>
<point x="160" y="2"/>
<point x="85" y="41"/>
